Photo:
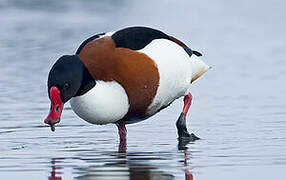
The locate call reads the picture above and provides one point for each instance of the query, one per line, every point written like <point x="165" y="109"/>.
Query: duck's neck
<point x="87" y="82"/>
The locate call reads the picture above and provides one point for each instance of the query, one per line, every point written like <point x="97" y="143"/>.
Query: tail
<point x="198" y="66"/>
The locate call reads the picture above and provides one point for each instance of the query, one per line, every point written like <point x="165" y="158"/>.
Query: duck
<point x="125" y="77"/>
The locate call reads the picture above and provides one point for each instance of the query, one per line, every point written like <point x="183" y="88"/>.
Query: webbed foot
<point x="183" y="133"/>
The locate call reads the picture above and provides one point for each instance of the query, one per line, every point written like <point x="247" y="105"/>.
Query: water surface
<point x="238" y="108"/>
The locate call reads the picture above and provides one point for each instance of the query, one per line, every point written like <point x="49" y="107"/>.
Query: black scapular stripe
<point x="87" y="41"/>
<point x="136" y="38"/>
<point x="197" y="53"/>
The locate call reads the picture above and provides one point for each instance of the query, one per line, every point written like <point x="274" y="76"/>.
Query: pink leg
<point x="122" y="134"/>
<point x="187" y="103"/>
<point x="181" y="122"/>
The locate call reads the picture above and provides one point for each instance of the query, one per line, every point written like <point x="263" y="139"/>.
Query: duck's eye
<point x="66" y="86"/>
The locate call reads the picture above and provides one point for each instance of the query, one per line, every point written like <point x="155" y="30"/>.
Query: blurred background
<point x="238" y="108"/>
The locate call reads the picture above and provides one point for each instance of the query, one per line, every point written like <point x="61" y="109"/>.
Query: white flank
<point x="175" y="72"/>
<point x="106" y="102"/>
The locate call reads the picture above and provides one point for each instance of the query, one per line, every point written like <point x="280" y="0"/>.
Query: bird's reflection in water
<point x="55" y="173"/>
<point x="124" y="165"/>
<point x="182" y="145"/>
<point x="133" y="166"/>
<point x="188" y="174"/>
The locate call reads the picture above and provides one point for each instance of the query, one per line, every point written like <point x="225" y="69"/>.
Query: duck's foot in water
<point x="183" y="133"/>
<point x="184" y="136"/>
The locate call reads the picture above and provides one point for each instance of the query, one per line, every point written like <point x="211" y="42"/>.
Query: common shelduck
<point x="124" y="77"/>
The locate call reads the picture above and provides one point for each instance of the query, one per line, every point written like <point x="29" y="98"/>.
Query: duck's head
<point x="64" y="81"/>
<point x="198" y="66"/>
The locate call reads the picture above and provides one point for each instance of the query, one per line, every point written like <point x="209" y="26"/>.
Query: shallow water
<point x="238" y="108"/>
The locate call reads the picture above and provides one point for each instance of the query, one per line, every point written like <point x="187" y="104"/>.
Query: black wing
<point x="136" y="38"/>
